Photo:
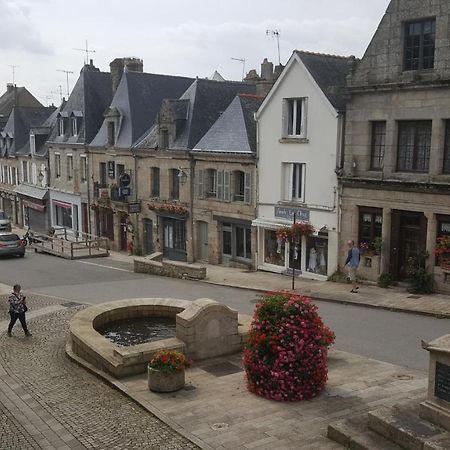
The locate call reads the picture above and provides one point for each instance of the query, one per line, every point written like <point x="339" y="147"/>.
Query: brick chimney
<point x="120" y="65"/>
<point x="267" y="70"/>
<point x="9" y="87"/>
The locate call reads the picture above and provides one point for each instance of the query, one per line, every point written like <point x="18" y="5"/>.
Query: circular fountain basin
<point x="204" y="329"/>
<point x="127" y="332"/>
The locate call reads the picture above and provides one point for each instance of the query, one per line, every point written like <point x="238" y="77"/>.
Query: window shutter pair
<point x="201" y="184"/>
<point x="220" y="184"/>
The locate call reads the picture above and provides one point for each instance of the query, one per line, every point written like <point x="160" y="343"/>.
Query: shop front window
<point x="63" y="216"/>
<point x="317" y="255"/>
<point x="274" y="250"/>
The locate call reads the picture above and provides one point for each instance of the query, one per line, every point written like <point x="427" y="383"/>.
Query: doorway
<point x="148" y="236"/>
<point x="408" y="240"/>
<point x="202" y="241"/>
<point x="123" y="232"/>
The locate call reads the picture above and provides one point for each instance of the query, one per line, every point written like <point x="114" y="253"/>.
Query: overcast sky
<point x="179" y="37"/>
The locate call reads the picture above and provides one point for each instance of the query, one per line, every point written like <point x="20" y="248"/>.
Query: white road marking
<point x="106" y="267"/>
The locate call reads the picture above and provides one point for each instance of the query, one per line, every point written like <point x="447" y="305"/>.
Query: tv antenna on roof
<point x="241" y="60"/>
<point x="59" y="91"/>
<point x="87" y="51"/>
<point x="67" y="78"/>
<point x="275" y="33"/>
<point x="13" y="73"/>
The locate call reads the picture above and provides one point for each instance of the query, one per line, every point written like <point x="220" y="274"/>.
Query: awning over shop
<point x="31" y="191"/>
<point x="35" y="206"/>
<point x="270" y="224"/>
<point x="62" y="204"/>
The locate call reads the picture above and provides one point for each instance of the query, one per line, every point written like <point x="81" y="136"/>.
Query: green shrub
<point x="385" y="280"/>
<point x="420" y="281"/>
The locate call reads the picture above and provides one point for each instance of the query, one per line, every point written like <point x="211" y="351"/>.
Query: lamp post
<point x="293" y="253"/>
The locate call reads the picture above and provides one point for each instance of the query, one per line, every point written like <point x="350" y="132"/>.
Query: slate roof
<point x="330" y="73"/>
<point x="21" y="120"/>
<point x="89" y="99"/>
<point x="138" y="99"/>
<point x="208" y="99"/>
<point x="235" y="130"/>
<point x="18" y="96"/>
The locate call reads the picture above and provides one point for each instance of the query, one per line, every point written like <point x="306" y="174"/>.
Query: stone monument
<point x="436" y="408"/>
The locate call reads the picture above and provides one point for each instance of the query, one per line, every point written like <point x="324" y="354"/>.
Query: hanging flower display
<point x="166" y="207"/>
<point x="442" y="245"/>
<point x="295" y="231"/>
<point x="285" y="358"/>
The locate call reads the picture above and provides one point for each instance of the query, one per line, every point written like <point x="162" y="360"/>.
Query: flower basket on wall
<point x="169" y="208"/>
<point x="285" y="358"/>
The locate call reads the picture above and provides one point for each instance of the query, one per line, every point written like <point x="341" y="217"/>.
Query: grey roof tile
<point x="235" y="130"/>
<point x="138" y="99"/>
<point x="330" y="73"/>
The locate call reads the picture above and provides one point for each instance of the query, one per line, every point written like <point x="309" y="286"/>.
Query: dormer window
<point x="420" y="38"/>
<point x="61" y="126"/>
<point x="32" y="144"/>
<point x="164" y="138"/>
<point x="111" y="133"/>
<point x="74" y="126"/>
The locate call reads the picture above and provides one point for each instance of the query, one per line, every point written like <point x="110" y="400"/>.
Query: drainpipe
<point x="136" y="228"/>
<point x="89" y="175"/>
<point x="191" y="202"/>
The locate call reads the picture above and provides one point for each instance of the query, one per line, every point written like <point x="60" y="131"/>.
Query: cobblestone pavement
<point x="48" y="402"/>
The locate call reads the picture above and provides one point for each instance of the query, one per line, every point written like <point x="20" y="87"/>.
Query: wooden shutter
<point x="247" y="187"/>
<point x="220" y="185"/>
<point x="226" y="186"/>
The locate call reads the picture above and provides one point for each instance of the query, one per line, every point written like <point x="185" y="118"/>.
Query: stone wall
<point x="154" y="265"/>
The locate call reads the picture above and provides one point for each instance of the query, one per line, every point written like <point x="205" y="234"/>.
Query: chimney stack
<point x="120" y="65"/>
<point x="267" y="70"/>
<point x="9" y="87"/>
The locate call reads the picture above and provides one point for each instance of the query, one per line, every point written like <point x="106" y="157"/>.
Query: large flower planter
<point x="165" y="382"/>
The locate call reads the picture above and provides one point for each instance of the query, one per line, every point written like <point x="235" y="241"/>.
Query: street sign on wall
<point x="134" y="207"/>
<point x="287" y="212"/>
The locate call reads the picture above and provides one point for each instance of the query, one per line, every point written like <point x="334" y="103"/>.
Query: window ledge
<point x="293" y="140"/>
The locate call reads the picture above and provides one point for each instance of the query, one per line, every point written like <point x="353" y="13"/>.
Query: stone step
<point x="402" y="425"/>
<point x="354" y="434"/>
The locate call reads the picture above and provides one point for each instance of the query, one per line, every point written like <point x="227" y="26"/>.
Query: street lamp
<point x="183" y="174"/>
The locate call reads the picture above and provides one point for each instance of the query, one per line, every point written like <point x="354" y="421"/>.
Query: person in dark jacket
<point x="17" y="310"/>
<point x="352" y="262"/>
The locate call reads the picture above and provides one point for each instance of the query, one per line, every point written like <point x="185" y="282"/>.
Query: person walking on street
<point x="352" y="261"/>
<point x="17" y="309"/>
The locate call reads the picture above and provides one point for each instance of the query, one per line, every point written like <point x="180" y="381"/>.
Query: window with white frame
<point x="74" y="122"/>
<point x="294" y="182"/>
<point x="210" y="183"/>
<point x="294" y="117"/>
<point x="57" y="165"/>
<point x="25" y="171"/>
<point x="83" y="168"/>
<point x="61" y="126"/>
<point x="13" y="176"/>
<point x="69" y="167"/>
<point x="32" y="144"/>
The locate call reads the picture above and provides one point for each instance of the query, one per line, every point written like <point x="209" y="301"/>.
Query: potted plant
<point x="166" y="371"/>
<point x="442" y="251"/>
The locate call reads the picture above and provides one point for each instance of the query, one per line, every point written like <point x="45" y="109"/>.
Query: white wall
<point x="319" y="154"/>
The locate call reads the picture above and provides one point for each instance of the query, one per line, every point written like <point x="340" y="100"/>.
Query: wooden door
<point x="202" y="241"/>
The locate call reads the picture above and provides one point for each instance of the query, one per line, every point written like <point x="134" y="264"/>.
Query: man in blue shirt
<point x="352" y="262"/>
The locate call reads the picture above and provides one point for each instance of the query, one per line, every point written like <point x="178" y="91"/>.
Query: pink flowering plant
<point x="285" y="358"/>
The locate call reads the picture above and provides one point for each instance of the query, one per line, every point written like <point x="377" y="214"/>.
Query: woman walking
<point x="17" y="310"/>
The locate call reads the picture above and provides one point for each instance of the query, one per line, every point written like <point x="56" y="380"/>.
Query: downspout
<point x="136" y="228"/>
<point x="89" y="175"/>
<point x="191" y="202"/>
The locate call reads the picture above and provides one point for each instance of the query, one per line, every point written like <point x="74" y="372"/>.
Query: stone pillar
<point x="386" y="240"/>
<point x="437" y="147"/>
<point x="431" y="239"/>
<point x="390" y="151"/>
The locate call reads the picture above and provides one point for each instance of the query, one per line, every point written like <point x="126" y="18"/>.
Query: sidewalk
<point x="393" y="298"/>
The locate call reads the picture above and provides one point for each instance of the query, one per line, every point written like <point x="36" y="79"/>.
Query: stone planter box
<point x="165" y="382"/>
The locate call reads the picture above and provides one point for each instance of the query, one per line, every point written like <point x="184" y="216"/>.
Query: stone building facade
<point x="396" y="176"/>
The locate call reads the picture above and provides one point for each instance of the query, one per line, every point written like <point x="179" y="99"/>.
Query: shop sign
<point x="111" y="169"/>
<point x="125" y="179"/>
<point x="134" y="207"/>
<point x="124" y="191"/>
<point x="285" y="212"/>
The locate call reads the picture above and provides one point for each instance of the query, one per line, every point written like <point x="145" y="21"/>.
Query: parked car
<point x="11" y="244"/>
<point x="5" y="222"/>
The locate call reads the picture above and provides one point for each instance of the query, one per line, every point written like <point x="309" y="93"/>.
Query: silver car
<point x="11" y="244"/>
<point x="5" y="222"/>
